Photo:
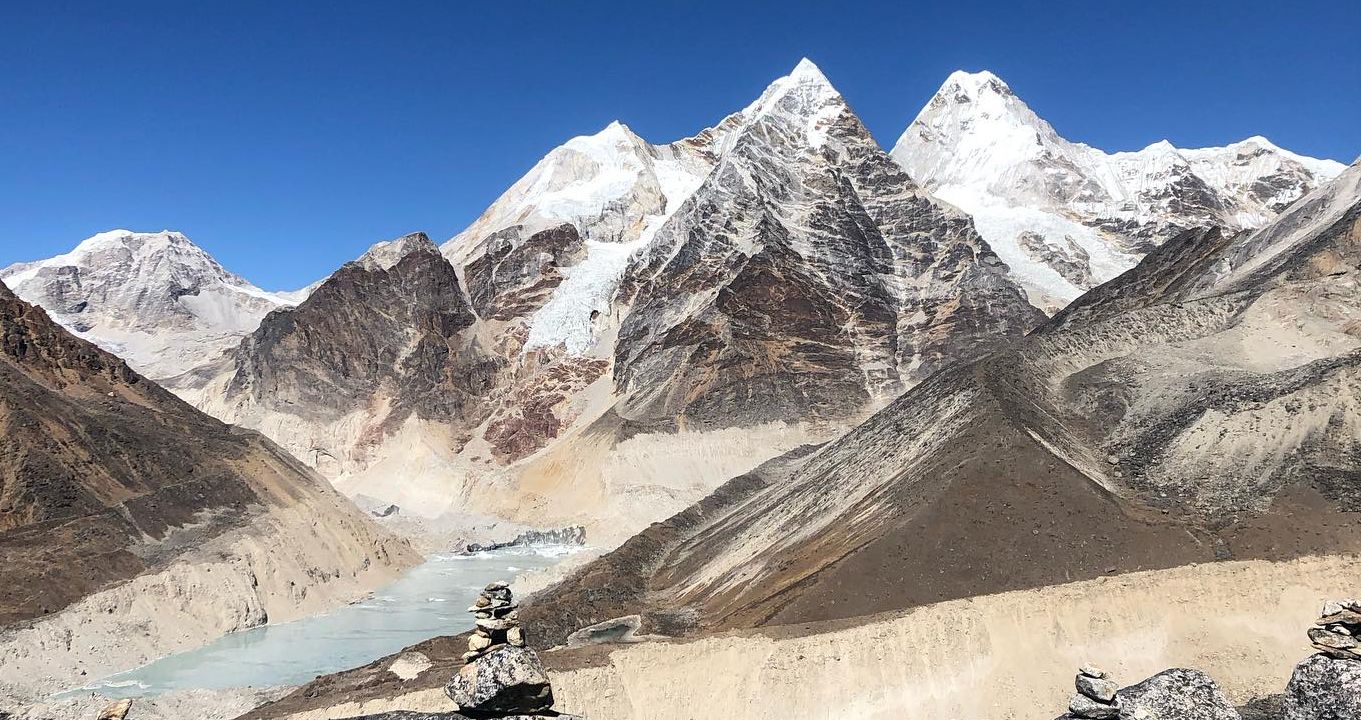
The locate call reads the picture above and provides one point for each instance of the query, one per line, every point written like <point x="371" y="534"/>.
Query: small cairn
<point x="498" y="623"/>
<point x="1337" y="633"/>
<point x="500" y="677"/>
<point x="1095" y="698"/>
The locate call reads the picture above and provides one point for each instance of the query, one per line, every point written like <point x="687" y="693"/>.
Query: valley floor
<point x="1008" y="656"/>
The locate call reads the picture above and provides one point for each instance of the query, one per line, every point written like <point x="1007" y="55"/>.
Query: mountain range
<point x="856" y="382"/>
<point x="586" y="348"/>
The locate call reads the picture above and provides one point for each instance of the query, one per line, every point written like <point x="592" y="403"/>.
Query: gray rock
<point x="1085" y="707"/>
<point x="505" y="681"/>
<point x="408" y="715"/>
<point x="1345" y="616"/>
<point x="1324" y="688"/>
<point x="1330" y="640"/>
<point x="1334" y="607"/>
<point x="1097" y="688"/>
<point x="1176" y="694"/>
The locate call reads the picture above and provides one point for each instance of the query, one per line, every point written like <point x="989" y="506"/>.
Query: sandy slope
<point x="1008" y="656"/>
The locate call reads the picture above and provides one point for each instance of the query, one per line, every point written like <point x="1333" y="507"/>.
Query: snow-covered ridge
<point x="1066" y="216"/>
<point x="154" y="298"/>
<point x="618" y="190"/>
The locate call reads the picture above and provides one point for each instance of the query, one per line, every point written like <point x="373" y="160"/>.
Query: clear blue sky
<point x="285" y="137"/>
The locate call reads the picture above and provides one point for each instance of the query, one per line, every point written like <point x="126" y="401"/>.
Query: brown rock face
<point x="95" y="460"/>
<point x="807" y="278"/>
<point x="514" y="278"/>
<point x="392" y="339"/>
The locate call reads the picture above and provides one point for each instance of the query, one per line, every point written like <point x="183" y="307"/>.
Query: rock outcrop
<point x="1176" y="694"/>
<point x="1324" y="688"/>
<point x="573" y="535"/>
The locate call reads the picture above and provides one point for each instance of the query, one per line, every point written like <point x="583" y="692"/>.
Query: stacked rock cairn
<point x="500" y="677"/>
<point x="1338" y="632"/>
<point x="1095" y="698"/>
<point x="498" y="623"/>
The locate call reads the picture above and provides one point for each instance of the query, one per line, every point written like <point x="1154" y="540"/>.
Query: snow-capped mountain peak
<point x="804" y="93"/>
<point x="1066" y="216"/>
<point x="156" y="299"/>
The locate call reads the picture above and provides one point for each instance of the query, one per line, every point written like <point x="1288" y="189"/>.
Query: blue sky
<point x="287" y="137"/>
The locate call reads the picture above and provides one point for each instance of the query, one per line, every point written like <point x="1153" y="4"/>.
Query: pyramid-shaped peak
<point x="806" y="79"/>
<point x="807" y="71"/>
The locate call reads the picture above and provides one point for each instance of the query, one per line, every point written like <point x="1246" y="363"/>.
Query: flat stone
<point x="1097" y="688"/>
<point x="1092" y="671"/>
<point x="408" y="665"/>
<point x="505" y="681"/>
<point x="1346" y="616"/>
<point x="1085" y="707"/>
<point x="504" y="623"/>
<point x="1322" y="638"/>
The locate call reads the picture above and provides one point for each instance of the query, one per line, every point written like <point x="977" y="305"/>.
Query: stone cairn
<point x="1095" y="698"/>
<point x="500" y="677"/>
<point x="1337" y="633"/>
<point x="498" y="623"/>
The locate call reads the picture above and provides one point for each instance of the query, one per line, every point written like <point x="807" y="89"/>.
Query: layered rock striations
<point x="807" y="277"/>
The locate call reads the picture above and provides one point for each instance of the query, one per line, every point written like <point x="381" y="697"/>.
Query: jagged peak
<point x="974" y="84"/>
<point x="386" y="254"/>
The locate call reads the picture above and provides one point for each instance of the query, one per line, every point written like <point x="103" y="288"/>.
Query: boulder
<point x="1176" y="694"/>
<point x="505" y="681"/>
<point x="1324" y="688"/>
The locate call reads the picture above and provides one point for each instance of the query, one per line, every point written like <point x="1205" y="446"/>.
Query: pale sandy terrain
<point x="1009" y="656"/>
